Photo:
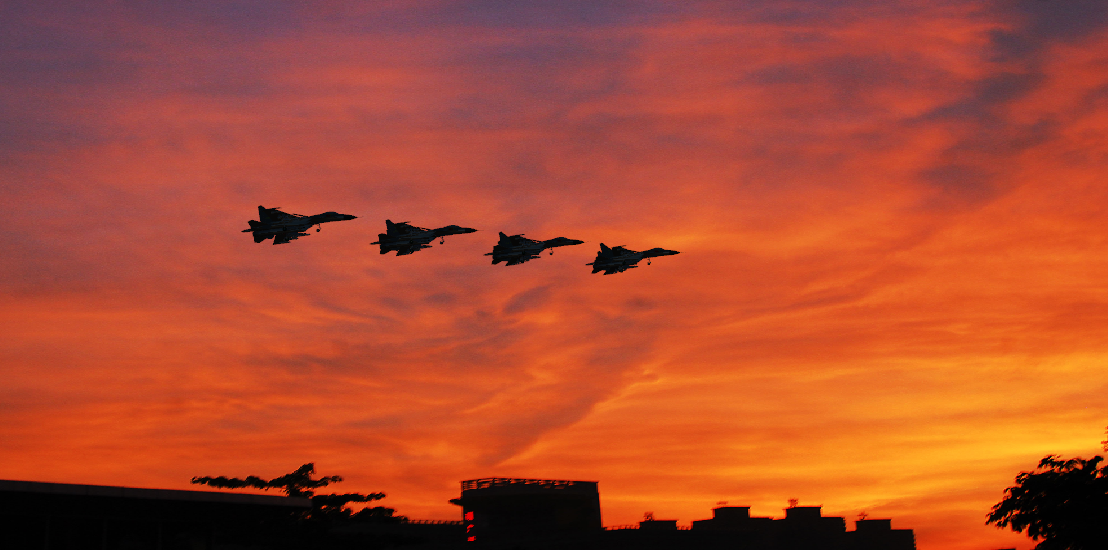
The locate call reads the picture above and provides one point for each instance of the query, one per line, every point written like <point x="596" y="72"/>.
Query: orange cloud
<point x="889" y="295"/>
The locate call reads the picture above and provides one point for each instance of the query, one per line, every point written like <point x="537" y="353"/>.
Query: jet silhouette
<point x="516" y="249"/>
<point x="618" y="259"/>
<point x="283" y="227"/>
<point x="406" y="239"/>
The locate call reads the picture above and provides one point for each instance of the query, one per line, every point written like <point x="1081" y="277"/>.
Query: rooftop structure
<point x="878" y="534"/>
<point x="805" y="527"/>
<point x="507" y="509"/>
<point x="516" y="485"/>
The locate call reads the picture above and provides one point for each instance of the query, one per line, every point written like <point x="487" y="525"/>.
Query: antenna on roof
<point x="794" y="502"/>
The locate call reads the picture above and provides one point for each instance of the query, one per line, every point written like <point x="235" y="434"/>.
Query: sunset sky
<point x="891" y="297"/>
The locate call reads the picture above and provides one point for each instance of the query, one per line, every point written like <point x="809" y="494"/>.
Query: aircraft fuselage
<point x="406" y="239"/>
<point x="284" y="227"/>
<point x="619" y="259"/>
<point x="517" y="249"/>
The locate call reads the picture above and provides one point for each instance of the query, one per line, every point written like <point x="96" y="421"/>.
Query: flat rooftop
<point x="12" y="486"/>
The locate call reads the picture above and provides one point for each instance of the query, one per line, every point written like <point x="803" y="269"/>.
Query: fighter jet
<point x="619" y="259"/>
<point x="405" y="238"/>
<point x="517" y="249"/>
<point x="283" y="227"/>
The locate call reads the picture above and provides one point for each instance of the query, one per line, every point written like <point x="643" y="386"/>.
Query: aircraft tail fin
<point x="605" y="249"/>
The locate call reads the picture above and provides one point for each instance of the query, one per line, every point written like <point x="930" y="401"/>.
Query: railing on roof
<point x="636" y="526"/>
<point x="487" y="482"/>
<point x="432" y="522"/>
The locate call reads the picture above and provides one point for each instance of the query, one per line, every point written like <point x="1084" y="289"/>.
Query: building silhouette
<point x="62" y="516"/>
<point x="497" y="513"/>
<point x="805" y="527"/>
<point x="502" y="509"/>
<point x="877" y="534"/>
<point x="546" y="514"/>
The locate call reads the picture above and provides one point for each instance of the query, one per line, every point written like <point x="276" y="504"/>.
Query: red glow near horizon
<point x="890" y="295"/>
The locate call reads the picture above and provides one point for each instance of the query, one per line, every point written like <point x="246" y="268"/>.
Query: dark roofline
<point x="7" y="485"/>
<point x="489" y="482"/>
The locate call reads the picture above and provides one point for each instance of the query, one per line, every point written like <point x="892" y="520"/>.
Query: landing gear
<point x="442" y="240"/>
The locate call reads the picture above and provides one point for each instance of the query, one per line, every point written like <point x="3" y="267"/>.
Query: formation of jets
<point x="404" y="238"/>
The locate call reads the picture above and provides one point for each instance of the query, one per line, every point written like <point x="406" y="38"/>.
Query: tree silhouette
<point x="300" y="484"/>
<point x="1065" y="503"/>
